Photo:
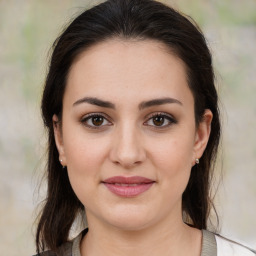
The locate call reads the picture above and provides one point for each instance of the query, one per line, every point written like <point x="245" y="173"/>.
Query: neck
<point x="161" y="239"/>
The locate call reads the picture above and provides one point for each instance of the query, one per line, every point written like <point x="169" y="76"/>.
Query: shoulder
<point x="68" y="248"/>
<point x="226" y="247"/>
<point x="64" y="250"/>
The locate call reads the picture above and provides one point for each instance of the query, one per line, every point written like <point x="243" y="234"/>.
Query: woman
<point x="132" y="116"/>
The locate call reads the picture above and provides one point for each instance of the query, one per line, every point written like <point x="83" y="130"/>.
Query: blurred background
<point x="27" y="30"/>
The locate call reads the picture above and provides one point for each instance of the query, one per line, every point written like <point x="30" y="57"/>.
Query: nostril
<point x="127" y="149"/>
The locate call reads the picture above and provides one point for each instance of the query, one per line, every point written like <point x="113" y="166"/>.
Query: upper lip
<point x="127" y="180"/>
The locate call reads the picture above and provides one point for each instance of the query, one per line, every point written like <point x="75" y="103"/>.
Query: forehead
<point x="116" y="67"/>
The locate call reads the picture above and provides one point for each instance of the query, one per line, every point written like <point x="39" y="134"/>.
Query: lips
<point x="128" y="186"/>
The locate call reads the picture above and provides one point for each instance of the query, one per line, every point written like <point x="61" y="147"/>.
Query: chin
<point x="130" y="220"/>
<point x="130" y="224"/>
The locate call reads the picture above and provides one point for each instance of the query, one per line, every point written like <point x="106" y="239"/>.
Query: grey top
<point x="72" y="248"/>
<point x="209" y="245"/>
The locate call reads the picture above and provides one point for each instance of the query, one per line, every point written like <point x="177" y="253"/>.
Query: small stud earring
<point x="197" y="161"/>
<point x="63" y="166"/>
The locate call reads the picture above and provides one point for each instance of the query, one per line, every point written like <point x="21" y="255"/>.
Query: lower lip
<point x="128" y="191"/>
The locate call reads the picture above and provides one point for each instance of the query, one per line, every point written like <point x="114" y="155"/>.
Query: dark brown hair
<point x="139" y="20"/>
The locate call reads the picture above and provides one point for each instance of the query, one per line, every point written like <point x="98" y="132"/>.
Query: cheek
<point x="84" y="158"/>
<point x="83" y="166"/>
<point x="173" y="154"/>
<point x="173" y="161"/>
<point x="84" y="153"/>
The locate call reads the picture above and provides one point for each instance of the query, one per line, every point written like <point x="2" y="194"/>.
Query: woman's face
<point x="128" y="135"/>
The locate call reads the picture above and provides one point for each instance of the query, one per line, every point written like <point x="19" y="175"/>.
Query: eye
<point x="160" y="120"/>
<point x="95" y="121"/>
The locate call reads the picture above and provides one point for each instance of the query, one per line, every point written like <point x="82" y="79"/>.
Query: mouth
<point x="128" y="186"/>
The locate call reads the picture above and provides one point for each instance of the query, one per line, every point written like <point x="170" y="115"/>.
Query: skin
<point x="129" y="142"/>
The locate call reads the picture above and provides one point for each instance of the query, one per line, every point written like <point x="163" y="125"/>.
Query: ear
<point x="59" y="139"/>
<point x="202" y="135"/>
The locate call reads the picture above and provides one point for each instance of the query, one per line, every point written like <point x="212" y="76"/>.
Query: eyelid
<point x="93" y="114"/>
<point x="169" y="117"/>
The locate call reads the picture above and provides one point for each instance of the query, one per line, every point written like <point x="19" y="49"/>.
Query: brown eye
<point x="97" y="120"/>
<point x="158" y="120"/>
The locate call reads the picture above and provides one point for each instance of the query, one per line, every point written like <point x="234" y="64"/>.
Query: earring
<point x="197" y="161"/>
<point x="63" y="166"/>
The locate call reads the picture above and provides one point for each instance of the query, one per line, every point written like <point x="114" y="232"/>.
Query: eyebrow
<point x="95" y="101"/>
<point x="142" y="105"/>
<point x="157" y="102"/>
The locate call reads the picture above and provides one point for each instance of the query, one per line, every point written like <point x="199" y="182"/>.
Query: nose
<point x="127" y="148"/>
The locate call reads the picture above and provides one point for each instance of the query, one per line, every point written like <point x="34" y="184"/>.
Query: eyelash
<point x="166" y="117"/>
<point x="86" y="118"/>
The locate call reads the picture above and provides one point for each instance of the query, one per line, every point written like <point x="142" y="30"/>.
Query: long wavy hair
<point x="127" y="19"/>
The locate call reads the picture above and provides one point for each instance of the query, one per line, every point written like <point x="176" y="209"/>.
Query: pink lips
<point x="128" y="186"/>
